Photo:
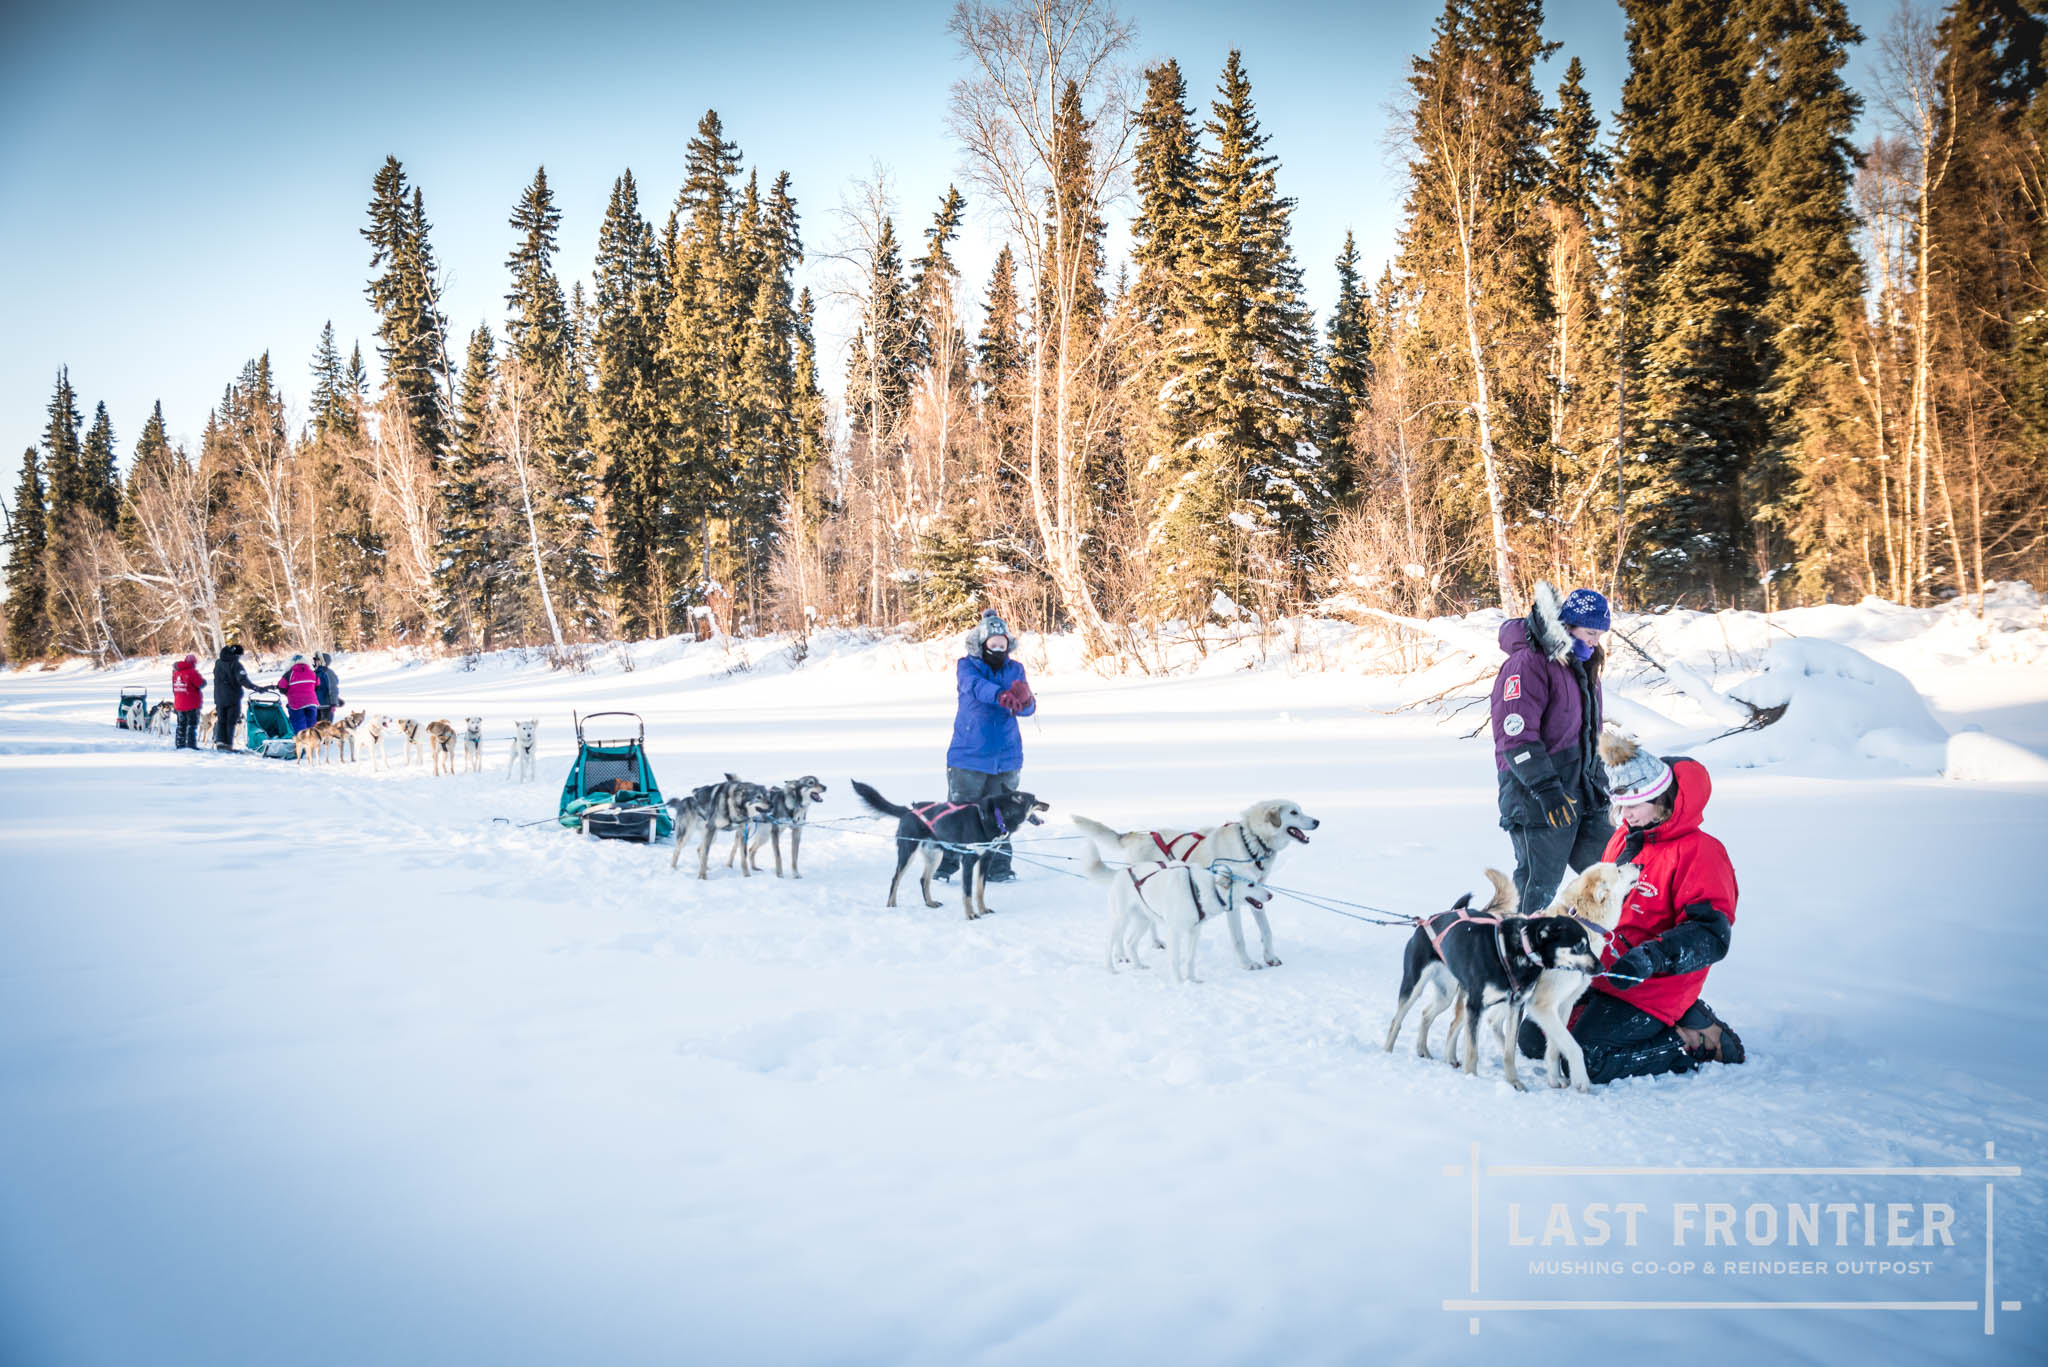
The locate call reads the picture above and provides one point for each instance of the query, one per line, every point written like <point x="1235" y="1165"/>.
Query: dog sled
<point x="132" y="713"/>
<point x="611" y="792"/>
<point x="268" y="725"/>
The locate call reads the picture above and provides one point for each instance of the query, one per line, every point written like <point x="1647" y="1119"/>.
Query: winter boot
<point x="1700" y="1018"/>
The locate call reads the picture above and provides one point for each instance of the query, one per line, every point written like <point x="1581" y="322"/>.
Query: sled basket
<point x="611" y="792"/>
<point x="265" y="721"/>
<point x="133" y="710"/>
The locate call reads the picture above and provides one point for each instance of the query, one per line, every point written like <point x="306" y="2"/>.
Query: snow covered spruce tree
<point x="411" y="331"/>
<point x="1346" y="374"/>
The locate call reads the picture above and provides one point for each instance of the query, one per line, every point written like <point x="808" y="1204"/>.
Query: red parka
<point x="1681" y="866"/>
<point x="186" y="684"/>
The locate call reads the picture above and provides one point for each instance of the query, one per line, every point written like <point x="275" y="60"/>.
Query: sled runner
<point x="611" y="792"/>
<point x="268" y="727"/>
<point x="133" y="709"/>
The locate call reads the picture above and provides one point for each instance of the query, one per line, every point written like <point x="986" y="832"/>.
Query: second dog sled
<point x="611" y="792"/>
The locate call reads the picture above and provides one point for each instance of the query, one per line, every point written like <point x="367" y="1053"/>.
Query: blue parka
<point x="985" y="736"/>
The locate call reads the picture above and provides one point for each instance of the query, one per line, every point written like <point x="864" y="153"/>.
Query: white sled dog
<point x="373" y="734"/>
<point x="524" y="743"/>
<point x="473" y="744"/>
<point x="1251" y="844"/>
<point x="1171" y="896"/>
<point x="415" y="740"/>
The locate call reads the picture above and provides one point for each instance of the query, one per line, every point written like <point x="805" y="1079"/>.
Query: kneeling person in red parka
<point x="1645" y="1016"/>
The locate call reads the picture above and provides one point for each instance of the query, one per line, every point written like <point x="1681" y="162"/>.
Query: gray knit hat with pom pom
<point x="1633" y="773"/>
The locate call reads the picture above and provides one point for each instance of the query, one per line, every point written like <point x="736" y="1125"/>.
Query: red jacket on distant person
<point x="1681" y="866"/>
<point x="301" y="686"/>
<point x="186" y="683"/>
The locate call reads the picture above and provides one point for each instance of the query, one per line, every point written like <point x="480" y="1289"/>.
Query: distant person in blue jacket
<point x="987" y="754"/>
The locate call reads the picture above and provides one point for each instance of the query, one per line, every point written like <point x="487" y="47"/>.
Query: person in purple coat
<point x="1546" y="735"/>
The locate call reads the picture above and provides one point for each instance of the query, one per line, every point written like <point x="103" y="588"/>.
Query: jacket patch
<point x="1514" y="687"/>
<point x="1514" y="723"/>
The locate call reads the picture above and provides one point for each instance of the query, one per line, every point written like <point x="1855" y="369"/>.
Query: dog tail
<point x="1505" y="899"/>
<point x="1095" y="831"/>
<point x="877" y="802"/>
<point x="1092" y="867"/>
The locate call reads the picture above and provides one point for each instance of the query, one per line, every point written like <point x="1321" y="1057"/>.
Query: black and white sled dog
<point x="730" y="805"/>
<point x="968" y="826"/>
<point x="788" y="805"/>
<point x="1593" y="899"/>
<point x="1487" y="960"/>
<point x="525" y="743"/>
<point x="162" y="718"/>
<point x="1252" y="843"/>
<point x="1172" y="897"/>
<point x="473" y="744"/>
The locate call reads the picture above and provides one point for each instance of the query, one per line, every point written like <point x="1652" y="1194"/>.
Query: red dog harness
<point x="1465" y="916"/>
<point x="1172" y="849"/>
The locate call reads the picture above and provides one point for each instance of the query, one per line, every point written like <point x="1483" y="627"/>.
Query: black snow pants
<point x="1622" y="1041"/>
<point x="1543" y="853"/>
<point x="188" y="730"/>
<point x="971" y="785"/>
<point x="225" y="723"/>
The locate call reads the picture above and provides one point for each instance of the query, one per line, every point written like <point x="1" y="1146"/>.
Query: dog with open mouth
<point x="1169" y="896"/>
<point x="1252" y="843"/>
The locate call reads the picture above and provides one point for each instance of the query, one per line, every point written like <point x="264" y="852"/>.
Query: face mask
<point x="995" y="659"/>
<point x="1582" y="650"/>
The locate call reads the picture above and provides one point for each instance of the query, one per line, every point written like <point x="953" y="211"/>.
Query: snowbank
<point x="1837" y="703"/>
<point x="1977" y="757"/>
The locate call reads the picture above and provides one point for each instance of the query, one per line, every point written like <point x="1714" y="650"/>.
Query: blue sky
<point x="183" y="183"/>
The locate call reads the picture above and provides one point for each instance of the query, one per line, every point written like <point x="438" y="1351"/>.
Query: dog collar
<point x="1001" y="825"/>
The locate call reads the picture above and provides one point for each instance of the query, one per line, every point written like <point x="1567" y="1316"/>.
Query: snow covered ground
<point x="308" y="1066"/>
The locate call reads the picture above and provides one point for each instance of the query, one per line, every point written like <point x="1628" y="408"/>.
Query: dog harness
<point x="1463" y="916"/>
<point x="923" y="812"/>
<point x="1201" y="912"/>
<point x="1171" y="849"/>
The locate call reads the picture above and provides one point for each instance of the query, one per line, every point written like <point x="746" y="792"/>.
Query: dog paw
<point x="1518" y="1084"/>
<point x="1252" y="966"/>
<point x="930" y="903"/>
<point x="1272" y="962"/>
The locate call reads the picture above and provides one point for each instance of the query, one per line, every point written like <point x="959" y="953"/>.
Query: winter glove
<point x="1009" y="699"/>
<point x="1558" y="808"/>
<point x="1022" y="691"/>
<point x="1647" y="960"/>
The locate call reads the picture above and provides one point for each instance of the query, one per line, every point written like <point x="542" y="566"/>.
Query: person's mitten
<point x="1640" y="964"/>
<point x="1022" y="692"/>
<point x="1558" y="807"/>
<point x="1007" y="699"/>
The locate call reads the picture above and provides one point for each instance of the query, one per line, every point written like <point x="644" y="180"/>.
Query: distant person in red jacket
<point x="186" y="686"/>
<point x="1645" y="1016"/>
<point x="301" y="693"/>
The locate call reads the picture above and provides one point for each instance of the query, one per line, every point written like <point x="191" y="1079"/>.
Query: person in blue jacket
<point x="987" y="753"/>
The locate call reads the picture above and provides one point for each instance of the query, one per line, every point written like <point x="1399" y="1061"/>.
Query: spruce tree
<point x="473" y="569"/>
<point x="28" y="625"/>
<point x="410" y="328"/>
<point x="1166" y="173"/>
<point x="153" y="453"/>
<point x="626" y="409"/>
<point x="62" y="455"/>
<point x="542" y="344"/>
<point x="333" y="404"/>
<point x="1696" y="283"/>
<point x="1347" y="371"/>
<point x="1249" y="491"/>
<point x="99" y="477"/>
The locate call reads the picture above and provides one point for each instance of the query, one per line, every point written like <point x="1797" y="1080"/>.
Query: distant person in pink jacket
<point x="301" y="693"/>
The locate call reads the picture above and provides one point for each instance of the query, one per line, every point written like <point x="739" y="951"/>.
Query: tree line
<point x="1716" y="355"/>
